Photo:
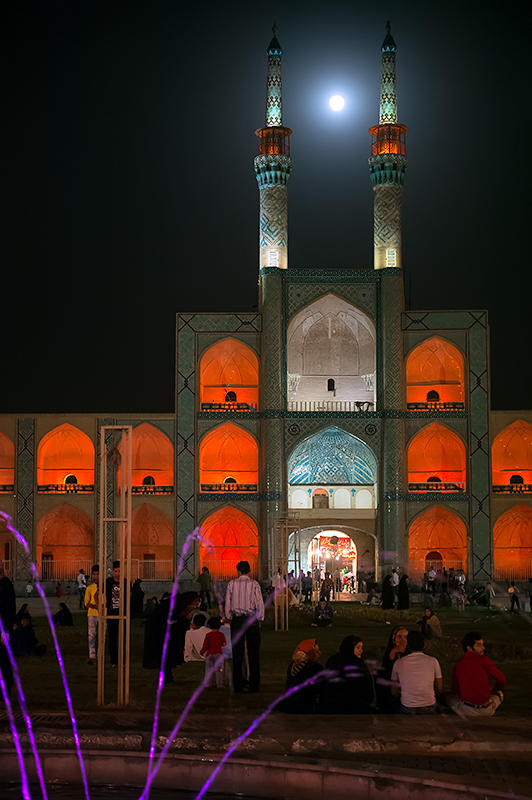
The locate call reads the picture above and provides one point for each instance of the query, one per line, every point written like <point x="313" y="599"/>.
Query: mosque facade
<point x="333" y="418"/>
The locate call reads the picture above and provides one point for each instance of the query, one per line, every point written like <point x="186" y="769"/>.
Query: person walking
<point x="91" y="604"/>
<point x="244" y="608"/>
<point x="205" y="583"/>
<point x="513" y="592"/>
<point x="82" y="586"/>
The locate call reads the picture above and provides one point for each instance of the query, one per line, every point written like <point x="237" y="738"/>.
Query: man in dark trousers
<point x="112" y="599"/>
<point x="244" y="609"/>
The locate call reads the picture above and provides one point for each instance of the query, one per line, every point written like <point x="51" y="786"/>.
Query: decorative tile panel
<point x="25" y="470"/>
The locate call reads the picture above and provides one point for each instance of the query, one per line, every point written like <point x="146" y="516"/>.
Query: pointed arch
<point x="152" y="542"/>
<point x="7" y="462"/>
<point x="436" y="452"/>
<point x="229" y="366"/>
<point x="511" y="454"/>
<point x="153" y="457"/>
<point x="229" y="536"/>
<point x="65" y="450"/>
<point x="332" y="456"/>
<point x="228" y="451"/>
<point x="437" y="530"/>
<point x="512" y="543"/>
<point x="66" y="536"/>
<point x="331" y="347"/>
<point x="435" y="365"/>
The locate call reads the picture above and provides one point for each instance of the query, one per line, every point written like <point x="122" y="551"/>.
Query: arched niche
<point x="435" y="366"/>
<point x="229" y="367"/>
<point x="7" y="462"/>
<point x="65" y="538"/>
<point x="331" y="353"/>
<point x="436" y="452"/>
<point x="65" y="451"/>
<point x="512" y="543"/>
<point x="228" y="536"/>
<point x="228" y="452"/>
<point x="511" y="454"/>
<point x="437" y="530"/>
<point x="152" y="542"/>
<point x="153" y="457"/>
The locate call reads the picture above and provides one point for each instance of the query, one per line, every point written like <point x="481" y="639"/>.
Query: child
<point x="212" y="650"/>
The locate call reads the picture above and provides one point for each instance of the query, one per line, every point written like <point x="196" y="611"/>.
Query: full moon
<point x="337" y="102"/>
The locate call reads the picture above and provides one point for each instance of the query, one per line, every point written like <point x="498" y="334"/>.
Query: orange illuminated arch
<point x="436" y="452"/>
<point x="7" y="461"/>
<point x="512" y="543"/>
<point x="511" y="453"/>
<point x="152" y="535"/>
<point x="229" y="536"/>
<point x="228" y="452"/>
<point x="437" y="530"/>
<point x="435" y="365"/>
<point x="66" y="533"/>
<point x="153" y="457"/>
<point x="229" y="366"/>
<point x="64" y="451"/>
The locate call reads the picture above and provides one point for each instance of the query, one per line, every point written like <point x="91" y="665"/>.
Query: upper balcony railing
<point x="7" y="488"/>
<point x="238" y="407"/>
<point x="215" y="488"/>
<point x="435" y="405"/>
<point x="512" y="488"/>
<point x="150" y="489"/>
<point x="437" y="486"/>
<point x="65" y="488"/>
<point x="331" y="405"/>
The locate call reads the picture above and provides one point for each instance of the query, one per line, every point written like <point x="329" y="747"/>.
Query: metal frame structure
<point x="281" y="557"/>
<point x="115" y="540"/>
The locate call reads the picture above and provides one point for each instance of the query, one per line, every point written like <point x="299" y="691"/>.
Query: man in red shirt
<point x="477" y="683"/>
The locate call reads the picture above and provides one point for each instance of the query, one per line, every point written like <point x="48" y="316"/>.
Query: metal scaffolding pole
<point x="119" y="544"/>
<point x="281" y="557"/>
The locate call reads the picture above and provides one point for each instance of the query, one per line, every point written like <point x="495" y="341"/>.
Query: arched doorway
<point x="65" y="543"/>
<point x="512" y="544"/>
<point x="65" y="452"/>
<point x="437" y="531"/>
<point x="436" y="460"/>
<point x="334" y="552"/>
<point x="228" y="536"/>
<point x="434" y="560"/>
<point x="229" y="373"/>
<point x="228" y="460"/>
<point x="153" y="461"/>
<point x="152" y="544"/>
<point x="435" y="374"/>
<point x="511" y="459"/>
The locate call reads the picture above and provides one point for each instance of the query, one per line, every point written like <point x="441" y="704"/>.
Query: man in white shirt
<point x="244" y="608"/>
<point x="195" y="637"/>
<point x="82" y="585"/>
<point x="417" y="677"/>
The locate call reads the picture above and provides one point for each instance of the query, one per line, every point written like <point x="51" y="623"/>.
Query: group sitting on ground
<point x="408" y="682"/>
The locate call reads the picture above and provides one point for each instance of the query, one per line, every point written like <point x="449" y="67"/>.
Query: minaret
<point x="272" y="168"/>
<point x="387" y="165"/>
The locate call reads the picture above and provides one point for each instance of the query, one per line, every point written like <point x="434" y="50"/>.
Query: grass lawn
<point x="508" y="637"/>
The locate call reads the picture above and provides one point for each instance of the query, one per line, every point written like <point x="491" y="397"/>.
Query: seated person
<point x="352" y="692"/>
<point x="430" y="625"/>
<point x="63" y="616"/>
<point x="23" y="639"/>
<point x="195" y="637"/>
<point x="303" y="666"/>
<point x="395" y="649"/>
<point x="323" y="615"/>
<point x="472" y="692"/>
<point x="24" y="609"/>
<point x="417" y="677"/>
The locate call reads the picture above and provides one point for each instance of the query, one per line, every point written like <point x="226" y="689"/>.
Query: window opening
<point x="516" y="479"/>
<point x="230" y="397"/>
<point x="433" y="396"/>
<point x="149" y="480"/>
<point x="330" y="385"/>
<point x="71" y="479"/>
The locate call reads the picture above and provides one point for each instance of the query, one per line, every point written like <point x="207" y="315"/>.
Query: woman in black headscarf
<point x="63" y="616"/>
<point x="403" y="594"/>
<point x="304" y="666"/>
<point x="387" y="592"/>
<point x="352" y="692"/>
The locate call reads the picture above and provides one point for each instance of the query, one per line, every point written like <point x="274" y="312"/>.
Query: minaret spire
<point x="272" y="167"/>
<point x="387" y="164"/>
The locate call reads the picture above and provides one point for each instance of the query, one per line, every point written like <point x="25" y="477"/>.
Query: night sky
<point x="131" y="191"/>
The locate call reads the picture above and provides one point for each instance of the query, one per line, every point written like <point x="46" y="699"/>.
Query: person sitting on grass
<point x="472" y="694"/>
<point x="323" y="615"/>
<point x="195" y="637"/>
<point x="430" y="625"/>
<point x="352" y="692"/>
<point x="23" y="639"/>
<point x="303" y="666"/>
<point x="417" y="678"/>
<point x="63" y="616"/>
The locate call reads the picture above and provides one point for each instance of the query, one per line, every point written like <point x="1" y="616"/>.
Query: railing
<point x="455" y="486"/>
<point x="152" y="570"/>
<point x="229" y="487"/>
<point x="152" y="489"/>
<point x="512" y="488"/>
<point x="435" y="405"/>
<point x="65" y="488"/>
<point x="330" y="405"/>
<point x="65" y="569"/>
<point x="7" y="488"/>
<point x="240" y="407"/>
<point x="517" y="573"/>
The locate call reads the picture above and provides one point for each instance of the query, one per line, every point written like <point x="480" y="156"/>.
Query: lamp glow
<point x="337" y="102"/>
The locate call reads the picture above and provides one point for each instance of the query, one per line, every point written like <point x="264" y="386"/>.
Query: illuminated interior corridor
<point x="512" y="544"/>
<point x="229" y="536"/>
<point x="228" y="460"/>
<point x="436" y="460"/>
<point x="435" y="374"/>
<point x="65" y="457"/>
<point x="7" y="462"/>
<point x="437" y="531"/>
<point x="153" y="459"/>
<point x="152" y="543"/>
<point x="511" y="458"/>
<point x="229" y="373"/>
<point x="65" y="542"/>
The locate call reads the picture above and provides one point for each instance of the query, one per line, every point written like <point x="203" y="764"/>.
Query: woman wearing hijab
<point x="430" y="625"/>
<point x="396" y="648"/>
<point x="63" y="616"/>
<point x="387" y="592"/>
<point x="352" y="692"/>
<point x="24" y="609"/>
<point x="303" y="666"/>
<point x="403" y="594"/>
